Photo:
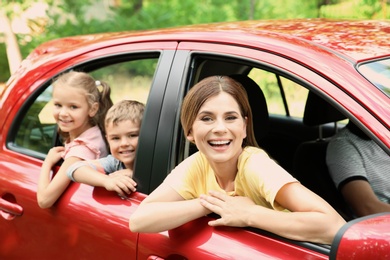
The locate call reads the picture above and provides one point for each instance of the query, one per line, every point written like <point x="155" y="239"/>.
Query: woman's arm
<point x="310" y="219"/>
<point x="165" y="209"/>
<point x="50" y="190"/>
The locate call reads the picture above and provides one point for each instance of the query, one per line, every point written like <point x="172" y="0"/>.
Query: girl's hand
<point x="54" y="155"/>
<point x="232" y="210"/>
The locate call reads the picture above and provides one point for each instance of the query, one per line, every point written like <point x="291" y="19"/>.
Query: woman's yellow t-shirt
<point x="258" y="177"/>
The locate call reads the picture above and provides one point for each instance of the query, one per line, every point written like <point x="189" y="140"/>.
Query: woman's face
<point x="219" y="129"/>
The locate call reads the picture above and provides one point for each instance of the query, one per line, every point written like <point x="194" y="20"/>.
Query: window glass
<point x="378" y="72"/>
<point x="274" y="86"/>
<point x="296" y="96"/>
<point x="128" y="80"/>
<point x="37" y="127"/>
<point x="269" y="84"/>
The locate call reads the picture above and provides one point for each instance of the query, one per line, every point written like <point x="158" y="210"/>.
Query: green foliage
<point x="358" y="9"/>
<point x="285" y="9"/>
<point x="4" y="74"/>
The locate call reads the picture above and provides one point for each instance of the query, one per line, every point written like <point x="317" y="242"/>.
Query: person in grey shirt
<point x="360" y="169"/>
<point x="114" y="172"/>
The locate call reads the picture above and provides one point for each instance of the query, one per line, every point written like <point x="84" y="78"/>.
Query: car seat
<point x="309" y="165"/>
<point x="258" y="106"/>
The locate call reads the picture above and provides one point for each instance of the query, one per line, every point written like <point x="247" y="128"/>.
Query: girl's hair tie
<point x="99" y="85"/>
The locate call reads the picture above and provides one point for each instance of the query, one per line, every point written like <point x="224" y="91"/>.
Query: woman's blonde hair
<point x="210" y="87"/>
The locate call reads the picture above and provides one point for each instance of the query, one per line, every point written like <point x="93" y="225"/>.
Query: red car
<point x="344" y="66"/>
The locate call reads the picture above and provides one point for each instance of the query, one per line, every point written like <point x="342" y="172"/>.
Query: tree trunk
<point x="11" y="44"/>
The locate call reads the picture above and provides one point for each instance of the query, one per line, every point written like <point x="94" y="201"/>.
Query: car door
<point x="86" y="222"/>
<point x="196" y="240"/>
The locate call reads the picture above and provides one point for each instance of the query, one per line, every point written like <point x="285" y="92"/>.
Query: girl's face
<point x="123" y="141"/>
<point x="219" y="129"/>
<point x="71" y="110"/>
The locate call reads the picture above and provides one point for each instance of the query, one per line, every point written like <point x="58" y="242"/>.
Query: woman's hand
<point x="232" y="210"/>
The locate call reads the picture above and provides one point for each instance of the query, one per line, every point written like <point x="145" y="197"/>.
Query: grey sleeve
<point x="70" y="171"/>
<point x="344" y="160"/>
<point x="109" y="164"/>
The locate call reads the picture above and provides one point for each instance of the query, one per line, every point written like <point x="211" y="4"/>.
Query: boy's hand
<point x="125" y="172"/>
<point x="120" y="183"/>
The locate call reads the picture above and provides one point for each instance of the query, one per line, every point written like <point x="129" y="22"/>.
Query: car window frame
<point x="87" y="66"/>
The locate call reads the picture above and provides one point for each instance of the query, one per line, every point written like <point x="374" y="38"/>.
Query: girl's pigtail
<point x="105" y="103"/>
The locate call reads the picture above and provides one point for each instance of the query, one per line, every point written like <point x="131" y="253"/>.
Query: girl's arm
<point x="310" y="219"/>
<point x="50" y="190"/>
<point x="165" y="209"/>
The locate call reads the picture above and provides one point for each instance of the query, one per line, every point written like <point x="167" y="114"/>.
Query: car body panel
<point x="374" y="230"/>
<point x="90" y="222"/>
<point x="19" y="177"/>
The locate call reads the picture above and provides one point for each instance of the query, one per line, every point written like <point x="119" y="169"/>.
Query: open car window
<point x="35" y="128"/>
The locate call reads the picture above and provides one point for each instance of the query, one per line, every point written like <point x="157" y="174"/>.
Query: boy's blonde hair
<point x="125" y="110"/>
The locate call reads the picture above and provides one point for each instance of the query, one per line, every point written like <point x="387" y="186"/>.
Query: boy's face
<point x="123" y="141"/>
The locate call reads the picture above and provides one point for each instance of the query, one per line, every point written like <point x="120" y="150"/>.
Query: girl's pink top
<point x="89" y="145"/>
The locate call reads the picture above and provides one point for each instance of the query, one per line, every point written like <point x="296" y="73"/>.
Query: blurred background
<point x="24" y="24"/>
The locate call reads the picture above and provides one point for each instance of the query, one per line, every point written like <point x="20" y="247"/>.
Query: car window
<point x="37" y="127"/>
<point x="128" y="80"/>
<point x="283" y="130"/>
<point x="284" y="97"/>
<point x="378" y="72"/>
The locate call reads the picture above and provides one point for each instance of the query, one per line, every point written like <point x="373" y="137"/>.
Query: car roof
<point x="308" y="40"/>
<point x="355" y="40"/>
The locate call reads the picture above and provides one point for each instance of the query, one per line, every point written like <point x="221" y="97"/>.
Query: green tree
<point x="11" y="45"/>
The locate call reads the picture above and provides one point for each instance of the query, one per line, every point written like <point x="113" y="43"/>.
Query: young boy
<point x="122" y="123"/>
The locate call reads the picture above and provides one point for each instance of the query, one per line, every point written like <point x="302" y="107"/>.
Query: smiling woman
<point x="231" y="176"/>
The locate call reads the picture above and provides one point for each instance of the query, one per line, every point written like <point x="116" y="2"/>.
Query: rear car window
<point x="37" y="130"/>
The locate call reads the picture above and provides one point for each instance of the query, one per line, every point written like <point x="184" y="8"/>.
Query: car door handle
<point x="154" y="257"/>
<point x="10" y="208"/>
<point x="170" y="257"/>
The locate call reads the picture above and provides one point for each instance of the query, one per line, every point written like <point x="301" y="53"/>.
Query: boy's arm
<point x="86" y="172"/>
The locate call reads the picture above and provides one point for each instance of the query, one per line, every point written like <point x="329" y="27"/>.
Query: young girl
<point x="80" y="105"/>
<point x="231" y="176"/>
